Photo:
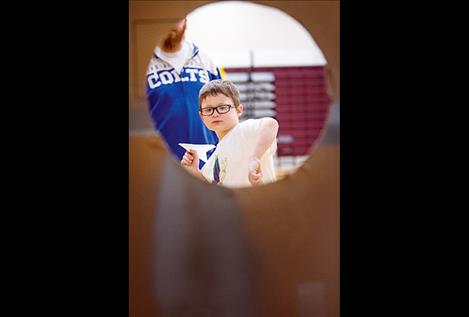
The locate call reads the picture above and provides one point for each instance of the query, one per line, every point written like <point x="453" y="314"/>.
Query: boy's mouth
<point x="217" y="121"/>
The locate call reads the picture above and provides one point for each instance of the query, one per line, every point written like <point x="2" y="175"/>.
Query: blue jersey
<point x="174" y="100"/>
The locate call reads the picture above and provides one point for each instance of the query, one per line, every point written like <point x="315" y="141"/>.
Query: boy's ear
<point x="239" y="109"/>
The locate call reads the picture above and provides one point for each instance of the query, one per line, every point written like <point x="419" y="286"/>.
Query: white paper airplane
<point x="201" y="149"/>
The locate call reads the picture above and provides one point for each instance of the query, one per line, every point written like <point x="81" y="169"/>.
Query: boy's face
<point x="221" y="123"/>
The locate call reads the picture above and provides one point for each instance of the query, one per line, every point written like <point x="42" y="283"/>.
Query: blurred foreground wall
<point x="202" y="250"/>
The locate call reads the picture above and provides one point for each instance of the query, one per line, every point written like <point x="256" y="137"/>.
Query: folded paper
<point x="201" y="149"/>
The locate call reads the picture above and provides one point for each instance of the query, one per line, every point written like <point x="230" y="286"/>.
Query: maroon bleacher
<point x="302" y="105"/>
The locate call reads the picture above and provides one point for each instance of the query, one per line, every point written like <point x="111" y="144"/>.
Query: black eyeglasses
<point x="221" y="109"/>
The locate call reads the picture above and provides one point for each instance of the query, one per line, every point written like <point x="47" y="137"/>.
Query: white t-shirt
<point x="229" y="162"/>
<point x="176" y="59"/>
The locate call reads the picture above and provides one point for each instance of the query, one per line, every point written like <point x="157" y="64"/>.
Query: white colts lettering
<point x="192" y="72"/>
<point x="203" y="76"/>
<point x="165" y="77"/>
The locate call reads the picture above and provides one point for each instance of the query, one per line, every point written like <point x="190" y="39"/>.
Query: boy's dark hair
<point x="219" y="86"/>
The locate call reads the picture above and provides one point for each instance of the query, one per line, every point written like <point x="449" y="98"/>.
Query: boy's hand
<point x="254" y="170"/>
<point x="190" y="161"/>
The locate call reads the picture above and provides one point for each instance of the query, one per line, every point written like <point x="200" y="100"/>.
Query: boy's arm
<point x="266" y="134"/>
<point x="198" y="174"/>
<point x="190" y="161"/>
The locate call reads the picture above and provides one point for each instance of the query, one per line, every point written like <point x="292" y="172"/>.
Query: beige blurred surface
<point x="291" y="226"/>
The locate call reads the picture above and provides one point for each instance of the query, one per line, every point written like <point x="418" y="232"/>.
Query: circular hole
<point x="278" y="68"/>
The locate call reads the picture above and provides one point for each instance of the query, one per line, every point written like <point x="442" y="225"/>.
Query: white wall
<point x="228" y="31"/>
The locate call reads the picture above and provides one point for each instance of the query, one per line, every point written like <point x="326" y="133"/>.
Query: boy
<point x="243" y="156"/>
